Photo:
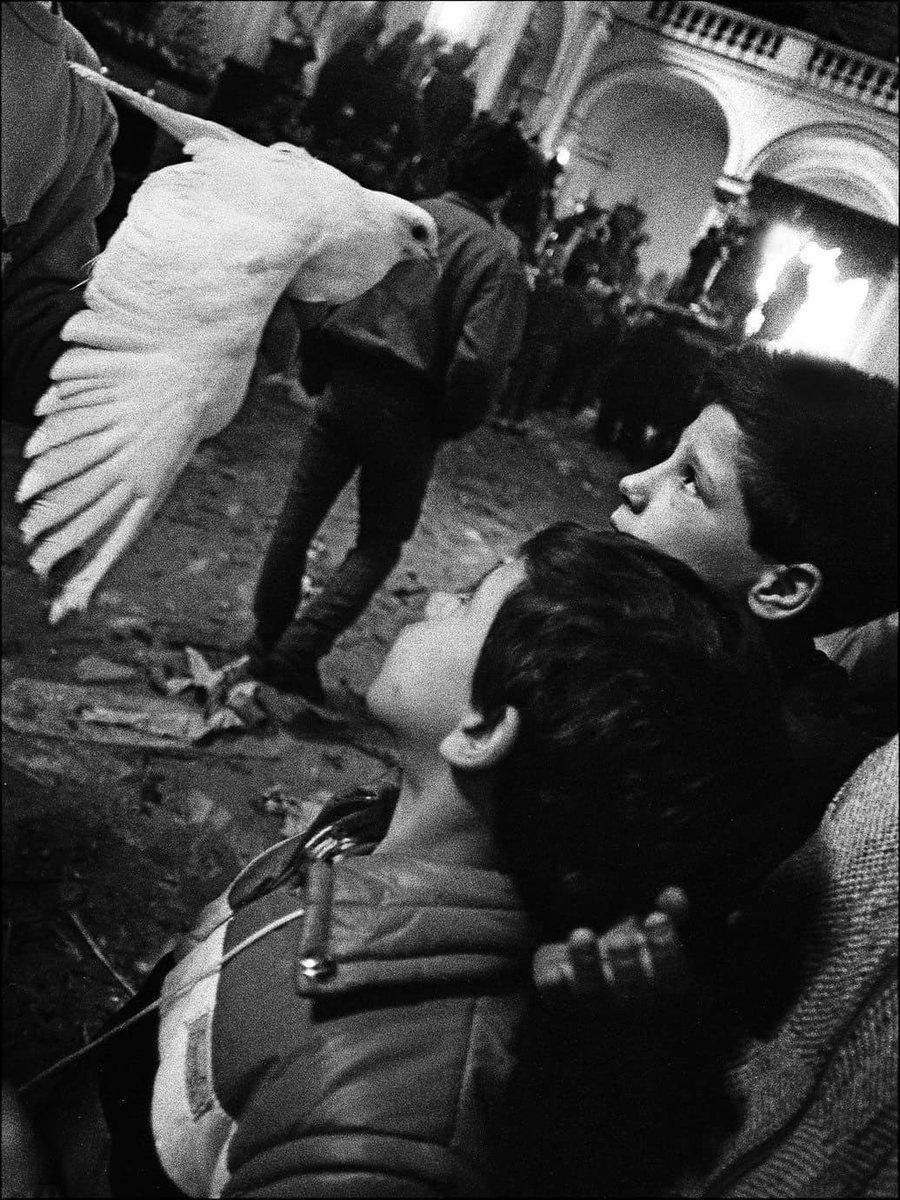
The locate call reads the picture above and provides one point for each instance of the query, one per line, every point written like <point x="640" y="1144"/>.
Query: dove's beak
<point x="429" y="254"/>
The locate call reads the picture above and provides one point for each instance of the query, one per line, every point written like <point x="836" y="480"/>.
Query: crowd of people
<point x="532" y="965"/>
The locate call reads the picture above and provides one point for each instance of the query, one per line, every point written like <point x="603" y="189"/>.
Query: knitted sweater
<point x="821" y="1083"/>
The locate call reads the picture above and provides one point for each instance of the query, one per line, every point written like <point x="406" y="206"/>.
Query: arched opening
<point x="839" y="162"/>
<point x="659" y="137"/>
<point x="852" y="168"/>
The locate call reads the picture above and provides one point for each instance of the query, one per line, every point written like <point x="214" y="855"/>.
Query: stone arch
<point x="656" y="133"/>
<point x="683" y="81"/>
<point x="843" y="162"/>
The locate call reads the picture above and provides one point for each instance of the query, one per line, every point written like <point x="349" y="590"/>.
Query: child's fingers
<point x="552" y="974"/>
<point x="628" y="968"/>
<point x="666" y="954"/>
<point x="586" y="962"/>
<point x="674" y="903"/>
<point x="632" y="963"/>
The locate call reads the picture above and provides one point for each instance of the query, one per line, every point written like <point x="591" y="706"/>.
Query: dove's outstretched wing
<point x="177" y="304"/>
<point x="176" y="307"/>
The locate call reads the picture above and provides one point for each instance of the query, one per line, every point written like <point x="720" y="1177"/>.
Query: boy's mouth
<point x="615" y="518"/>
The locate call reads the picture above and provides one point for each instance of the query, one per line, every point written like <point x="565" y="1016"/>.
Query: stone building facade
<point x="679" y="104"/>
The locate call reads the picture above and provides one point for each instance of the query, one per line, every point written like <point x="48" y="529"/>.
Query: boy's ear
<point x="477" y="744"/>
<point x="784" y="591"/>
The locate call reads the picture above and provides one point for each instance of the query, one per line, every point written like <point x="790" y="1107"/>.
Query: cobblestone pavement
<point x="116" y="834"/>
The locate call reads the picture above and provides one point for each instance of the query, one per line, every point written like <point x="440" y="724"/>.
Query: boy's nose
<point x="633" y="490"/>
<point x="438" y="604"/>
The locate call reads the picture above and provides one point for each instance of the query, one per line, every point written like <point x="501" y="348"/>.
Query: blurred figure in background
<point x="646" y="397"/>
<point x="416" y="360"/>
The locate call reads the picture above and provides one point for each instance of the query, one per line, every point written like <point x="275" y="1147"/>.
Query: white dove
<point x="176" y="307"/>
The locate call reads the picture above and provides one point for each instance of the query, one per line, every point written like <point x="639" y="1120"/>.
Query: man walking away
<point x="416" y="360"/>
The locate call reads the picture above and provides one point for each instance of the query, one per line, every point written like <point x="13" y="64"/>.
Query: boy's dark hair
<point x="487" y="159"/>
<point x="819" y="475"/>
<point x="651" y="742"/>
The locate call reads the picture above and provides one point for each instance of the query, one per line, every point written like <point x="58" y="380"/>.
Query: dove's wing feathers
<point x="176" y="308"/>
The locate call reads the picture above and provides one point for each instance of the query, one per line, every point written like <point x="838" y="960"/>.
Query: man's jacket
<point x="819" y="1080"/>
<point x="457" y="331"/>
<point x="358" y="1038"/>
<point x="57" y="178"/>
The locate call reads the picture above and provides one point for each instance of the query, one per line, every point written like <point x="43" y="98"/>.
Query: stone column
<point x="251" y="27"/>
<point x="729" y="188"/>
<point x="582" y="43"/>
<point x="726" y="190"/>
<point x="508" y="22"/>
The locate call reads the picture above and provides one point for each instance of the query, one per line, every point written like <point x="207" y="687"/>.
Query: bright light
<point x="825" y="322"/>
<point x="452" y="17"/>
<point x="563" y="155"/>
<point x="782" y="243"/>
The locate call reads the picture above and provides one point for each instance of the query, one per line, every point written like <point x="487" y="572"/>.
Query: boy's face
<point x="691" y="505"/>
<point x="424" y="687"/>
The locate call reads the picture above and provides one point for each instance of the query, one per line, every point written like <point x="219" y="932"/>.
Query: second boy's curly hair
<point x="651" y="748"/>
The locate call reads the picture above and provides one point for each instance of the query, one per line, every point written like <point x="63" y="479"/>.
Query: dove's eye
<point x="420" y="233"/>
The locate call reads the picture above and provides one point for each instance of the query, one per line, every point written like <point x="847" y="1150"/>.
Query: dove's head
<point x="362" y="236"/>
<point x="415" y="229"/>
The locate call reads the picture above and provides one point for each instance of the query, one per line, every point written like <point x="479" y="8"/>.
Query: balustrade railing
<point x="718" y="29"/>
<point x="819" y="64"/>
<point x="848" y="73"/>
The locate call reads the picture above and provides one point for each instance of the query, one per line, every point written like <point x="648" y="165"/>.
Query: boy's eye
<point x="689" y="481"/>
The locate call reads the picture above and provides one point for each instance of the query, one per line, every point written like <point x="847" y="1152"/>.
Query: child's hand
<point x="634" y="962"/>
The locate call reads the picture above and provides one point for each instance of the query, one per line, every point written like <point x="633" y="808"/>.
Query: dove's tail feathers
<point x="78" y="591"/>
<point x="182" y="126"/>
<point x="75" y="533"/>
<point x="70" y="462"/>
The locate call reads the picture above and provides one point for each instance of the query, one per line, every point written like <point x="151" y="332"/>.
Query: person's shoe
<point x="294" y="680"/>
<point x="256" y="652"/>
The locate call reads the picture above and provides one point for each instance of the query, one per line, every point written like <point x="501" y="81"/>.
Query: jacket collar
<point x="388" y="920"/>
<point x="469" y="202"/>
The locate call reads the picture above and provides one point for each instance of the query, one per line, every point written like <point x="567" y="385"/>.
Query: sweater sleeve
<point x="489" y="340"/>
<point x="42" y="285"/>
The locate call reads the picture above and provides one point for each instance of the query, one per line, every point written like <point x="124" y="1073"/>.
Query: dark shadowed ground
<point x="118" y="833"/>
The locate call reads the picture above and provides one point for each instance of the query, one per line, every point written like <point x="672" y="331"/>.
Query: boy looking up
<point x="783" y="493"/>
<point x="586" y="723"/>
